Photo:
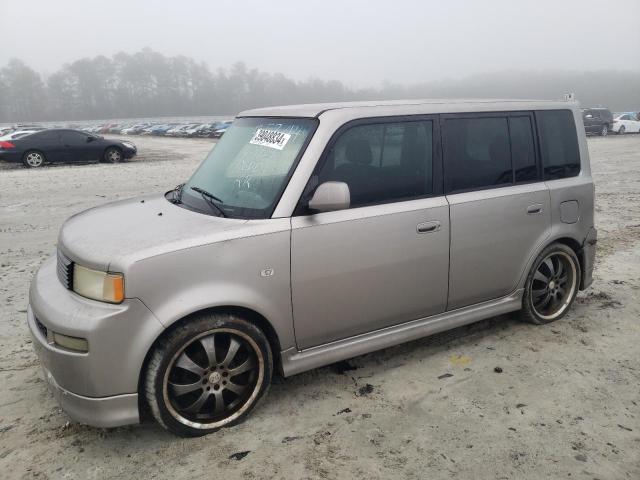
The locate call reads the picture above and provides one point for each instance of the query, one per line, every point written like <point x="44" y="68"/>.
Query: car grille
<point x="65" y="270"/>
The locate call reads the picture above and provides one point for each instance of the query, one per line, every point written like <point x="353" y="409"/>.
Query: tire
<point x="113" y="155"/>
<point x="604" y="130"/>
<point x="621" y="131"/>
<point x="188" y="380"/>
<point x="547" y="297"/>
<point x="33" y="159"/>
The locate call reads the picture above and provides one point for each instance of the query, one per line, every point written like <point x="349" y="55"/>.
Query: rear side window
<point x="558" y="144"/>
<point x="477" y="153"/>
<point x="382" y="163"/>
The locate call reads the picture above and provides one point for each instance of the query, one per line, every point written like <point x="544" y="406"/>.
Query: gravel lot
<point x="567" y="403"/>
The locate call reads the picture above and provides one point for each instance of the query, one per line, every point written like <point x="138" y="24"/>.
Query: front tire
<point x="113" y="155"/>
<point x="552" y="285"/>
<point x="208" y="373"/>
<point x="33" y="159"/>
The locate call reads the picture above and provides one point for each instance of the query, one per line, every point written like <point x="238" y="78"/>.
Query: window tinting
<point x="558" y="144"/>
<point x="383" y="162"/>
<point x="523" y="153"/>
<point x="476" y="153"/>
<point x="71" y="137"/>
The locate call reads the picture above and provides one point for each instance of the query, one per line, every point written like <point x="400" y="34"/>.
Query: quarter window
<point x="382" y="163"/>
<point x="558" y="144"/>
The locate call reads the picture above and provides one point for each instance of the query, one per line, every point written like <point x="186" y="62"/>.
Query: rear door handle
<point x="533" y="209"/>
<point x="428" y="227"/>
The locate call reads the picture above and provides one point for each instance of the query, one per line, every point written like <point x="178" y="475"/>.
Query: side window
<point x="70" y="137"/>
<point x="476" y="153"/>
<point x="523" y="152"/>
<point x="46" y="136"/>
<point x="383" y="163"/>
<point x="558" y="144"/>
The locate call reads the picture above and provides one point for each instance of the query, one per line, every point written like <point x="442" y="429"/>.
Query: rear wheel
<point x="604" y="130"/>
<point x="621" y="131"/>
<point x="207" y="374"/>
<point x="33" y="159"/>
<point x="113" y="155"/>
<point x="552" y="285"/>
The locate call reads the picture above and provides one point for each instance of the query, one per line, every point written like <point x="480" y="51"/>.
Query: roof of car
<point x="316" y="109"/>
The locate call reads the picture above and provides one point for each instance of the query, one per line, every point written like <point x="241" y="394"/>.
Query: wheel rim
<point x="553" y="285"/>
<point x="213" y="379"/>
<point x="113" y="156"/>
<point x="605" y="130"/>
<point x="34" y="159"/>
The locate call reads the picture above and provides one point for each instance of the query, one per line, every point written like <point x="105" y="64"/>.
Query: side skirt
<point x="297" y="361"/>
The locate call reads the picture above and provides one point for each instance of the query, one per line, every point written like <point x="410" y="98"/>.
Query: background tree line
<point x="148" y="84"/>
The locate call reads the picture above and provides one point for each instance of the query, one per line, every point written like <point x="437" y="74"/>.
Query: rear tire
<point x="33" y="159"/>
<point x="552" y="285"/>
<point x="621" y="131"/>
<point x="604" y="131"/>
<point x="208" y="373"/>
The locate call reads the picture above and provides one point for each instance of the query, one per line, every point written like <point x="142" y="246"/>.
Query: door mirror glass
<point x="330" y="196"/>
<point x="90" y="139"/>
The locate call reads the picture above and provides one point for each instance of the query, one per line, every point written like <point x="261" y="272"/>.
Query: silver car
<point x="311" y="234"/>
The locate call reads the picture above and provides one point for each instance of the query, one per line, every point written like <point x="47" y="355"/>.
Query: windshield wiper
<point x="177" y="194"/>
<point x="211" y="199"/>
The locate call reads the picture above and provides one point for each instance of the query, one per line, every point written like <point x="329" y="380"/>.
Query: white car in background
<point x="626" y="123"/>
<point x="17" y="134"/>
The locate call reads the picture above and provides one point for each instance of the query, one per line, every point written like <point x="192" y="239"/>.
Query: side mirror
<point x="90" y="139"/>
<point x="330" y="196"/>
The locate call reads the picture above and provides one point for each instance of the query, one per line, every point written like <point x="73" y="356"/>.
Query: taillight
<point x="7" y="145"/>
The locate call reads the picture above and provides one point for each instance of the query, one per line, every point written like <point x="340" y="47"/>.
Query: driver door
<point x="384" y="260"/>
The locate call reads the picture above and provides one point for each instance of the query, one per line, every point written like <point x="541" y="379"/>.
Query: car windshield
<point x="249" y="167"/>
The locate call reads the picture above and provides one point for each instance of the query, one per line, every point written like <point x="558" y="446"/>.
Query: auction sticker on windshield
<point x="270" y="138"/>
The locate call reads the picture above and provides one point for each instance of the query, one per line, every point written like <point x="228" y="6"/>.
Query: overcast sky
<point x="362" y="43"/>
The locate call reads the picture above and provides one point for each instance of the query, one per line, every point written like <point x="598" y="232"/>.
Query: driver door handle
<point x="428" y="227"/>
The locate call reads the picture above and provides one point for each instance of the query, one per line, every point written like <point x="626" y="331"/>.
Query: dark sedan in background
<point x="63" y="145"/>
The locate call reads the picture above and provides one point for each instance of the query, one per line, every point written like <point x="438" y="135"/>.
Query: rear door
<point x="499" y="207"/>
<point x="385" y="260"/>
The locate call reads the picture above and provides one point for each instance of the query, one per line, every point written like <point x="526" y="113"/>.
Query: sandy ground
<point x="566" y="405"/>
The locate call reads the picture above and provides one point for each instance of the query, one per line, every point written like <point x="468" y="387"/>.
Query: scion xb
<point x="311" y="234"/>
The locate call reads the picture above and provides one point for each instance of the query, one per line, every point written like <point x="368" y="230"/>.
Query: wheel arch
<point x="247" y="314"/>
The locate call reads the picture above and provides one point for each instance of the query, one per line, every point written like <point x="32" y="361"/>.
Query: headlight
<point x="103" y="286"/>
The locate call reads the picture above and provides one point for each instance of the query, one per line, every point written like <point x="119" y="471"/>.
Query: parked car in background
<point x="597" y="120"/>
<point x="194" y="130"/>
<point x="17" y="134"/>
<point x="221" y="129"/>
<point x="64" y="145"/>
<point x="135" y="129"/>
<point x="626" y="123"/>
<point x="405" y="219"/>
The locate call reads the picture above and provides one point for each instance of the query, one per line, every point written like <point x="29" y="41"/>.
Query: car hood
<point x="111" y="237"/>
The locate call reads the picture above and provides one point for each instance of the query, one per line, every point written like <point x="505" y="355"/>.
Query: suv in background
<point x="597" y="120"/>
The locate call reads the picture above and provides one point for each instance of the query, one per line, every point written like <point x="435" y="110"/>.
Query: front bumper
<point x="103" y="412"/>
<point x="99" y="387"/>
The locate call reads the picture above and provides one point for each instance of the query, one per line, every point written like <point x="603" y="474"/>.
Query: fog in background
<point x="90" y="59"/>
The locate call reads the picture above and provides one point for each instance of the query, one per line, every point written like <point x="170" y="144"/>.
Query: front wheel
<point x="552" y="285"/>
<point x="113" y="155"/>
<point x="208" y="373"/>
